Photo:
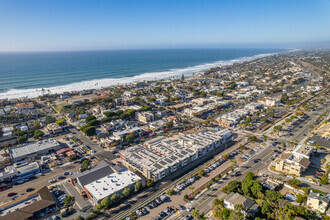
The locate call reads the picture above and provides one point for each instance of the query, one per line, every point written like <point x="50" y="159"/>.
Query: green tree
<point x="89" y="130"/>
<point x="252" y="139"/>
<point x="98" y="208"/>
<point x="234" y="186"/>
<point x="265" y="208"/>
<point x="132" y="215"/>
<point x="138" y="186"/>
<point x="217" y="202"/>
<point x="150" y="182"/>
<point x="324" y="179"/>
<point x="126" y="192"/>
<point x="115" y="198"/>
<point x="238" y="207"/>
<point x="233" y="85"/>
<point x="306" y="190"/>
<point x="131" y="112"/>
<point x="201" y="173"/>
<point x="130" y="137"/>
<point x="37" y="134"/>
<point x="22" y="139"/>
<point x="93" y="122"/>
<point x="90" y="118"/>
<point x="73" y="157"/>
<point x="256" y="189"/>
<point x="191" y="188"/>
<point x="265" y="137"/>
<point x="284" y="97"/>
<point x="69" y="201"/>
<point x="195" y="213"/>
<point x="169" y="124"/>
<point x="249" y="176"/>
<point x="235" y="216"/>
<point x="19" y="133"/>
<point x="225" y="213"/>
<point x="170" y="191"/>
<point x="294" y="182"/>
<point x="106" y="202"/>
<point x="85" y="164"/>
<point x="273" y="196"/>
<point x="301" y="198"/>
<point x="182" y="77"/>
<point x="60" y="122"/>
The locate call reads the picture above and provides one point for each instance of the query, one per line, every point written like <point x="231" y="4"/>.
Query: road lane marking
<point x="231" y="180"/>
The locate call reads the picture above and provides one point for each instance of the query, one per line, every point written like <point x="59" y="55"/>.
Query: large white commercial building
<point x="33" y="150"/>
<point x="104" y="180"/>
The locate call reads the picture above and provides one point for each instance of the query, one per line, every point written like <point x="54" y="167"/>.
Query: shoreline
<point x="110" y="82"/>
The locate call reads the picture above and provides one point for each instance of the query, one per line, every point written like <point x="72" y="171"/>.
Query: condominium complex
<point x="317" y="201"/>
<point x="294" y="162"/>
<point x="232" y="118"/>
<point x="160" y="156"/>
<point x="145" y="116"/>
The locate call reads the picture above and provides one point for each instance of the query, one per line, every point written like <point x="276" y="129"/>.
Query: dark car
<point x="256" y="160"/>
<point x="11" y="194"/>
<point x="29" y="189"/>
<point x="114" y="211"/>
<point x="61" y="177"/>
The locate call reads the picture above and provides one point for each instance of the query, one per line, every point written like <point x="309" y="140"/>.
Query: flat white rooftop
<point x="31" y="148"/>
<point x="111" y="184"/>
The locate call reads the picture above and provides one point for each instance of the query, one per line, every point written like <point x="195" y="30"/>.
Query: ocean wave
<point x="108" y="82"/>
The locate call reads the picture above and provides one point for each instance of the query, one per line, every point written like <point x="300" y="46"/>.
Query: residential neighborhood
<point x="248" y="140"/>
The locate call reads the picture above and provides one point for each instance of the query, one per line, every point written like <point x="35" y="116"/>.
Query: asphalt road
<point x="165" y="185"/>
<point x="204" y="202"/>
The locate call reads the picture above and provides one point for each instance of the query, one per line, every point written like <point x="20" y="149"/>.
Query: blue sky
<point x="32" y="25"/>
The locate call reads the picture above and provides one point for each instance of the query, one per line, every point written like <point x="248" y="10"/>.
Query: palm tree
<point x="191" y="188"/>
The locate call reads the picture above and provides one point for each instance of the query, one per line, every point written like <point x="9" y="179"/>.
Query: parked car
<point x="11" y="194"/>
<point x="29" y="189"/>
<point x="52" y="181"/>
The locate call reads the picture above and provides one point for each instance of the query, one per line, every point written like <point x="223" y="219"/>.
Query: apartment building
<point x="159" y="157"/>
<point x="232" y="118"/>
<point x="206" y="141"/>
<point x="145" y="116"/>
<point x="54" y="128"/>
<point x="294" y="162"/>
<point x="268" y="101"/>
<point x="318" y="202"/>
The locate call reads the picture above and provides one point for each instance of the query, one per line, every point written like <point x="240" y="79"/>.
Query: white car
<point x="52" y="181"/>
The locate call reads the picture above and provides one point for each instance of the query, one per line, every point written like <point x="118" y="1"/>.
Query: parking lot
<point x="38" y="181"/>
<point x="175" y="202"/>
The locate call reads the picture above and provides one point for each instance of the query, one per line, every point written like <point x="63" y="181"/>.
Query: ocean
<point x="26" y="74"/>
